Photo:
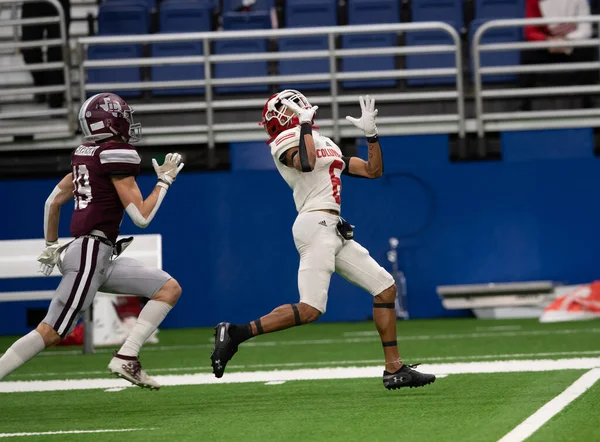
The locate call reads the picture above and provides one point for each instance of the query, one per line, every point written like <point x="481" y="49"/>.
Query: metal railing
<point x="337" y="127"/>
<point x="546" y="119"/>
<point x="22" y="125"/>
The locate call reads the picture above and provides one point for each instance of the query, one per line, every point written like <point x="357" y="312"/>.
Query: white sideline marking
<point x="499" y="327"/>
<point x="321" y="363"/>
<point x="474" y="335"/>
<point x="306" y="374"/>
<point x="552" y="408"/>
<point x="114" y="390"/>
<point x="364" y="336"/>
<point x="275" y="382"/>
<point x="52" y="433"/>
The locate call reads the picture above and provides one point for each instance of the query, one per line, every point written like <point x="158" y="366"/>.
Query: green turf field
<point x="265" y="404"/>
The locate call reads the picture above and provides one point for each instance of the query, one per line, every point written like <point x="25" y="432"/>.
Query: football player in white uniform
<point x="312" y="165"/>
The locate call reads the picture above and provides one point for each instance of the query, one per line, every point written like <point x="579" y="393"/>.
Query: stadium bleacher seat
<point x="308" y="13"/>
<point x="233" y="5"/>
<point x="150" y="4"/>
<point x="429" y="61"/>
<point x="362" y="12"/>
<point x="178" y="16"/>
<point x="246" y="21"/>
<point x="123" y="19"/>
<point x="303" y="13"/>
<point x="497" y="58"/>
<point x="116" y="18"/>
<point x="115" y="75"/>
<point x="497" y="9"/>
<point x="448" y="11"/>
<point x="243" y="21"/>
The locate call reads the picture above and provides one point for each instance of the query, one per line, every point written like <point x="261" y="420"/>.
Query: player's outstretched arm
<point x="142" y="211"/>
<point x="373" y="167"/>
<point x="305" y="157"/>
<point x="62" y="193"/>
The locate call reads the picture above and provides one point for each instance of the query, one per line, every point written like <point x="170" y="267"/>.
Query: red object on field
<point x="126" y="306"/>
<point x="581" y="304"/>
<point x="75" y="338"/>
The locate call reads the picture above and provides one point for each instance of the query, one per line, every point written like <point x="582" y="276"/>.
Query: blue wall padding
<point x="227" y="236"/>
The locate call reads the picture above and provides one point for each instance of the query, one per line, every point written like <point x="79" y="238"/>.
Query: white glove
<point x="367" y="119"/>
<point x="169" y="169"/>
<point x="49" y="258"/>
<point x="304" y="115"/>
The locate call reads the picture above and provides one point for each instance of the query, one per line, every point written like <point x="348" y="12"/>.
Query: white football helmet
<point x="274" y="116"/>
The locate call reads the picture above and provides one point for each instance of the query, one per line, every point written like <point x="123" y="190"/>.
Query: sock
<point x="20" y="352"/>
<point x="150" y="318"/>
<point x="240" y="333"/>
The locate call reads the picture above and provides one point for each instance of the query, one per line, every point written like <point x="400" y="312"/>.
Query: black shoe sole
<point x="396" y="387"/>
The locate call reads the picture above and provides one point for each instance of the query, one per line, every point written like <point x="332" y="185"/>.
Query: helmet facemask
<point x="135" y="129"/>
<point x="276" y="109"/>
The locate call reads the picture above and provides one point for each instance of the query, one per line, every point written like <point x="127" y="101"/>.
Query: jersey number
<point x="336" y="182"/>
<point x="83" y="190"/>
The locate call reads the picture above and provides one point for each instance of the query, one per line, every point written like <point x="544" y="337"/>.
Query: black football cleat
<point x="407" y="376"/>
<point x="224" y="349"/>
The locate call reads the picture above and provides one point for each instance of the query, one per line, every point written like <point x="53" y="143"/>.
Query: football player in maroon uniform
<point x="103" y="185"/>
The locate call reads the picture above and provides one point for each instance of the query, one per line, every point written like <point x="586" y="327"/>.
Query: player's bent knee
<point x="170" y="292"/>
<point x="308" y="313"/>
<point x="48" y="334"/>
<point x="388" y="295"/>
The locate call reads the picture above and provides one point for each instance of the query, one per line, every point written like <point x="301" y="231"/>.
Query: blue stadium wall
<point x="227" y="236"/>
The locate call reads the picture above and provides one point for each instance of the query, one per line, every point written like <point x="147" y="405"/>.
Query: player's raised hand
<point x="49" y="258"/>
<point x="367" y="119"/>
<point x="304" y="115"/>
<point x="169" y="169"/>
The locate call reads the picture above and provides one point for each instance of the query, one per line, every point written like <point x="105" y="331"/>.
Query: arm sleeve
<point x="120" y="162"/>
<point x="584" y="30"/>
<point x="47" y="205"/>
<point x="346" y="170"/>
<point x="137" y="218"/>
<point x="285" y="141"/>
<point x="534" y="33"/>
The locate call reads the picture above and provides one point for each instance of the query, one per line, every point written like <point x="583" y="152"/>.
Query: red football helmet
<point x="274" y="116"/>
<point x="107" y="115"/>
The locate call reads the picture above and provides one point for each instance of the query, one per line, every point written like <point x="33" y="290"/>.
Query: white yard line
<point x="306" y="374"/>
<point x="320" y="363"/>
<point x="552" y="408"/>
<point x="52" y="433"/>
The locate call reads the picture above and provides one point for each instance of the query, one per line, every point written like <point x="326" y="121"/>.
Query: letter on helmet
<point x="107" y="115"/>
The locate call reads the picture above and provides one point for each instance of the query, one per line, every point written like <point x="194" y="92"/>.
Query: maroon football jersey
<point x="97" y="204"/>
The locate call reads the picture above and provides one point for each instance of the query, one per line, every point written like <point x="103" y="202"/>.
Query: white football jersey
<point x="322" y="187"/>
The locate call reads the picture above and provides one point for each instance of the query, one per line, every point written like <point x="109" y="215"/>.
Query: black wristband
<point x="305" y="129"/>
<point x="374" y="139"/>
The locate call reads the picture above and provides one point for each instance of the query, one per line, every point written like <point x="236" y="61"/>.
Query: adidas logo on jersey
<point x="323" y="223"/>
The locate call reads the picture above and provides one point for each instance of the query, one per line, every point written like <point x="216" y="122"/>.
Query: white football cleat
<point x="130" y="369"/>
